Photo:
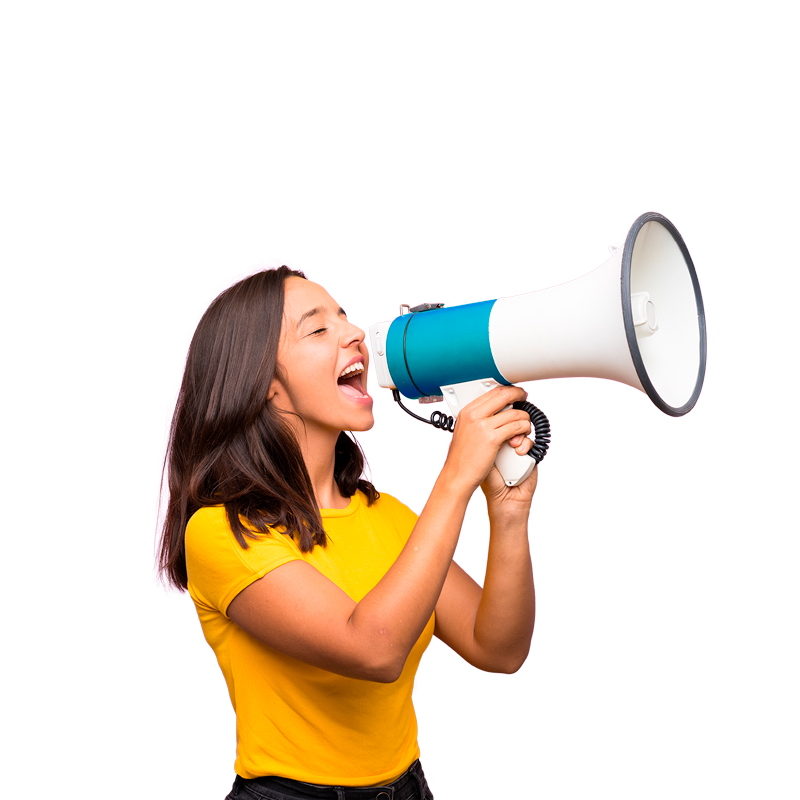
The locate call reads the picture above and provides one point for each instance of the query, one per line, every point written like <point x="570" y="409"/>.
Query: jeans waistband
<point x="391" y="791"/>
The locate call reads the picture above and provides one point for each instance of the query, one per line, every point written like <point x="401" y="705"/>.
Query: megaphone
<point x="637" y="319"/>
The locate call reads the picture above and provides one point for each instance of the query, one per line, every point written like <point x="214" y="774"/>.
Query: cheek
<point x="311" y="375"/>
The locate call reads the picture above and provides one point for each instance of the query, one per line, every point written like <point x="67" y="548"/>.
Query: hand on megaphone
<point x="484" y="426"/>
<point x="505" y="503"/>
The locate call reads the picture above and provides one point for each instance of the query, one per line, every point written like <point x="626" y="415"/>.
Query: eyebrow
<point x="317" y="310"/>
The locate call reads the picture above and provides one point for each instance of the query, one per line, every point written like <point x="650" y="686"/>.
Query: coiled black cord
<point x="540" y="423"/>
<point x="541" y="429"/>
<point x="443" y="422"/>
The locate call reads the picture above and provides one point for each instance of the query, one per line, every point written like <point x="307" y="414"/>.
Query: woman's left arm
<point x="491" y="628"/>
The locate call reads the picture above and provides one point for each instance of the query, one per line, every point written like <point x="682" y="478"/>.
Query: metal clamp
<point x="407" y="309"/>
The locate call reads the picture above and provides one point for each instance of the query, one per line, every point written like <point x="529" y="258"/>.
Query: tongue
<point x="350" y="390"/>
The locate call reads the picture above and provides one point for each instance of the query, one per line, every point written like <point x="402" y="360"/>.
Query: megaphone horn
<point x="637" y="319"/>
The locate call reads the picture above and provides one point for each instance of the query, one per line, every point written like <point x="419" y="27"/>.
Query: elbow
<point x="509" y="662"/>
<point x="386" y="675"/>
<point x="377" y="656"/>
<point x="506" y="667"/>
<point x="512" y="665"/>
<point x="385" y="669"/>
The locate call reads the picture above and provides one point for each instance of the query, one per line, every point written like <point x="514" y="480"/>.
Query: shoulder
<point x="209" y="538"/>
<point x="208" y="530"/>
<point x="207" y="522"/>
<point x="209" y="525"/>
<point x="387" y="503"/>
<point x="218" y="567"/>
<point x="392" y="512"/>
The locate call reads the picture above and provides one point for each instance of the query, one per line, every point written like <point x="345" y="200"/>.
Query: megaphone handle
<point x="513" y="467"/>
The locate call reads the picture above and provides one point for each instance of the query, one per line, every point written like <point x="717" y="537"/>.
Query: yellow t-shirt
<point x="292" y="719"/>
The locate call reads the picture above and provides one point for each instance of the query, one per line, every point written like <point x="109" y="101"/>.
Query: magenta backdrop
<point x="611" y="702"/>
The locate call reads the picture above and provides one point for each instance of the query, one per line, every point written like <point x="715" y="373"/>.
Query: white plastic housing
<point x="580" y="329"/>
<point x="377" y="337"/>
<point x="573" y="330"/>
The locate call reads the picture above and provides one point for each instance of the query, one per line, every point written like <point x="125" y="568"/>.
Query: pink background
<point x="611" y="702"/>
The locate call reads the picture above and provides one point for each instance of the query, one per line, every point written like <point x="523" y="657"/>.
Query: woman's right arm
<point x="297" y="610"/>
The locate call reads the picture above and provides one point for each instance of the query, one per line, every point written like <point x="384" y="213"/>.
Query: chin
<point x="364" y="425"/>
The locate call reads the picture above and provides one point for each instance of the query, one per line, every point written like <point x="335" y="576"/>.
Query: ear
<point x="274" y="388"/>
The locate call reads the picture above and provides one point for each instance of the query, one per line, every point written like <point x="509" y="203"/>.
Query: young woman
<point x="317" y="593"/>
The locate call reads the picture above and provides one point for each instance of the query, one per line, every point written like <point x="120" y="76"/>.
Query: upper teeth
<point x="351" y="369"/>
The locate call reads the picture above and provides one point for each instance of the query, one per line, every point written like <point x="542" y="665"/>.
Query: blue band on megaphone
<point x="431" y="349"/>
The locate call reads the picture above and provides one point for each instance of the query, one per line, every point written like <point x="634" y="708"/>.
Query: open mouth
<point x="350" y="381"/>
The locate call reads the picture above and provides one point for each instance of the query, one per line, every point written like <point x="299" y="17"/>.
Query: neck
<point x="319" y="453"/>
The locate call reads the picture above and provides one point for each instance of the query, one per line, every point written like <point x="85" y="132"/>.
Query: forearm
<point x="304" y="614"/>
<point x="505" y="616"/>
<point x="394" y="613"/>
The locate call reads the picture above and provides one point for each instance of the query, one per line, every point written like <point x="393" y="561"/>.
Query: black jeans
<point x="411" y="785"/>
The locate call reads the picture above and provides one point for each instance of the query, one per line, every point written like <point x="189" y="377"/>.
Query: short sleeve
<point x="218" y="567"/>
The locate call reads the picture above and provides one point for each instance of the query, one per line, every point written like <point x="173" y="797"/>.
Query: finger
<point x="519" y="420"/>
<point x="498" y="398"/>
<point x="523" y="447"/>
<point x="516" y="441"/>
<point x="513" y="428"/>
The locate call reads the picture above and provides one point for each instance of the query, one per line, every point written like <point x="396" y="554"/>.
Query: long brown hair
<point x="228" y="445"/>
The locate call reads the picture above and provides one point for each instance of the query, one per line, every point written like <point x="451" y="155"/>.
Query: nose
<point x="352" y="334"/>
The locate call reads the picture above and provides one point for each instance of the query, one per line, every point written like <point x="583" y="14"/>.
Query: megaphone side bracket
<point x="540" y="423"/>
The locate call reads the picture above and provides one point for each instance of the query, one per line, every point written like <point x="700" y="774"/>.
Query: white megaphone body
<point x="637" y="319"/>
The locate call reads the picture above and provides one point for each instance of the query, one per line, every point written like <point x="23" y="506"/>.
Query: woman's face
<point x="322" y="360"/>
